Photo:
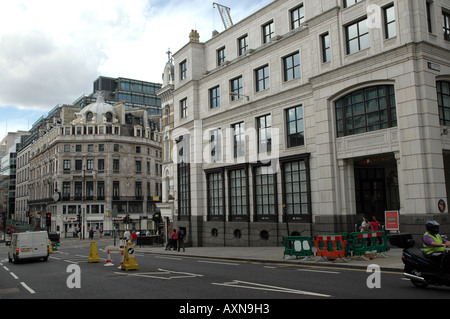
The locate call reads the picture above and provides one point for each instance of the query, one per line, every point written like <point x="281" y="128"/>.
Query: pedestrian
<point x="91" y="233"/>
<point x="180" y="237"/>
<point x="365" y="225"/>
<point x="134" y="237"/>
<point x="376" y="225"/>
<point x="127" y="235"/>
<point x="172" y="240"/>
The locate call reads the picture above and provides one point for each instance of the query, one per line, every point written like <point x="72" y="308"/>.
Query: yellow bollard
<point x="93" y="254"/>
<point x="129" y="260"/>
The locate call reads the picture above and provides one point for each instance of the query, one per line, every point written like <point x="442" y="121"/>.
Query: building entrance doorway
<point x="376" y="185"/>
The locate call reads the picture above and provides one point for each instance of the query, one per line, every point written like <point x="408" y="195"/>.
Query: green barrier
<point x="368" y="243"/>
<point x="298" y="246"/>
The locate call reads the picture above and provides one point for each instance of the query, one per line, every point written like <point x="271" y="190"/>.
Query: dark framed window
<point x="294" y="126"/>
<point x="66" y="165"/>
<point x="183" y="70"/>
<point x="184" y="206"/>
<point x="443" y="95"/>
<point x="291" y="65"/>
<point x="429" y="21"/>
<point x="295" y="188"/>
<point x="236" y="89"/>
<point x="183" y="108"/>
<point x="264" y="124"/>
<point x="390" y="27"/>
<point x="357" y="36"/>
<point x="265" y="193"/>
<point x="348" y="3"/>
<point x="262" y="78"/>
<point x="216" y="145"/>
<point x="221" y="56"/>
<point x="216" y="205"/>
<point x="326" y="48"/>
<point x="214" y="97"/>
<point x="238" y="140"/>
<point x="297" y="17"/>
<point x="446" y="25"/>
<point x="243" y="44"/>
<point x="268" y="31"/>
<point x="237" y="181"/>
<point x="366" y="110"/>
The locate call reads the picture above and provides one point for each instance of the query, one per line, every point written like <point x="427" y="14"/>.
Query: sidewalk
<point x="392" y="262"/>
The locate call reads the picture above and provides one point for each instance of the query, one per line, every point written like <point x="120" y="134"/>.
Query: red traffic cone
<point x="108" y="262"/>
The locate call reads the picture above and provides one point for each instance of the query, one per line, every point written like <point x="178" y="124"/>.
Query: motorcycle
<point x="421" y="270"/>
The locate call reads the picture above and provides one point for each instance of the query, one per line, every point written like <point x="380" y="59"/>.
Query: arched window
<point x="443" y="95"/>
<point x="108" y="117"/>
<point x="89" y="117"/>
<point x="366" y="110"/>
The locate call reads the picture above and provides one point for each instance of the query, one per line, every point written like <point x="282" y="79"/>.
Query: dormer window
<point x="108" y="117"/>
<point x="89" y="117"/>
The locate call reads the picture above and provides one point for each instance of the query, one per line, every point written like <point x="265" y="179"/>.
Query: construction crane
<point x="224" y="14"/>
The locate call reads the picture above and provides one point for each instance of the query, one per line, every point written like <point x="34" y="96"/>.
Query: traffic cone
<point x="93" y="254"/>
<point x="108" y="262"/>
<point x="121" y="261"/>
<point x="129" y="262"/>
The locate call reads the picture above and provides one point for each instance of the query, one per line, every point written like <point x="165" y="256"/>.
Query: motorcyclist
<point x="434" y="245"/>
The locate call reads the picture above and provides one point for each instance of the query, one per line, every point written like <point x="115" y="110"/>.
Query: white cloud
<point x="51" y="50"/>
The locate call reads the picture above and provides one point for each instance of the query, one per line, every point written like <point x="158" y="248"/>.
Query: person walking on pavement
<point x="172" y="240"/>
<point x="180" y="239"/>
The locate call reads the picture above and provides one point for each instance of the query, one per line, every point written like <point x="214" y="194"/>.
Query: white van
<point x="29" y="245"/>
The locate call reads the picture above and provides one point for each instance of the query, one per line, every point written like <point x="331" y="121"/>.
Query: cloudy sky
<point x="51" y="51"/>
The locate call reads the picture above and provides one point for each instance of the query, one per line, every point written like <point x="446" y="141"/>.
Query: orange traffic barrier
<point x="330" y="246"/>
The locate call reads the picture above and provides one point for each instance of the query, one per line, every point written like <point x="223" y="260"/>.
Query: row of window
<point x="295" y="191"/>
<point x="101" y="148"/>
<point x="99" y="191"/>
<point x="79" y="165"/>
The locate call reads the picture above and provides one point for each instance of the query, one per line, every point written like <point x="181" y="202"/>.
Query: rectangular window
<point x="268" y="31"/>
<point x="357" y="36"/>
<point x="243" y="44"/>
<point x="66" y="165"/>
<point x="236" y="89"/>
<point x="90" y="164"/>
<point x="262" y="78"/>
<point x="221" y="56"/>
<point x="429" y="23"/>
<point x="78" y="148"/>
<point x="100" y="190"/>
<point x="297" y="17"/>
<point x="348" y="3"/>
<point x="446" y="25"/>
<point x="66" y="190"/>
<point x="67" y="148"/>
<point x="291" y="67"/>
<point x="238" y="192"/>
<point x="326" y="49"/>
<point x="238" y="140"/>
<point x="78" y="165"/>
<point x="215" y="194"/>
<point x="264" y="190"/>
<point x="90" y="148"/>
<point x="184" y="182"/>
<point x="264" y="133"/>
<point x="390" y="28"/>
<point x="295" y="188"/>
<point x="138" y="167"/>
<point x="183" y="108"/>
<point x="443" y="96"/>
<point x="101" y="164"/>
<point x="78" y="190"/>
<point x="116" y="189"/>
<point x="294" y="126"/>
<point x="183" y="70"/>
<point x="116" y="165"/>
<point x="214" y="97"/>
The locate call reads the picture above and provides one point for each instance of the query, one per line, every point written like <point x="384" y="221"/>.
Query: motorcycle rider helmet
<point x="432" y="226"/>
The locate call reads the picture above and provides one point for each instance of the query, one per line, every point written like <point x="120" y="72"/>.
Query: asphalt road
<point x="68" y="275"/>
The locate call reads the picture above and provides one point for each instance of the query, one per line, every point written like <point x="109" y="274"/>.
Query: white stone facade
<point x="385" y="149"/>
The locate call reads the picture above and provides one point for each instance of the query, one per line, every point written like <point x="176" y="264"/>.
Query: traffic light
<point x="48" y="219"/>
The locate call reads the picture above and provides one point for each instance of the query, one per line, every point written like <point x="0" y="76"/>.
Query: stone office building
<point x="101" y="162"/>
<point x="307" y="115"/>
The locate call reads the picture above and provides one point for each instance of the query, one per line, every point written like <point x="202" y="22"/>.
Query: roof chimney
<point x="194" y="36"/>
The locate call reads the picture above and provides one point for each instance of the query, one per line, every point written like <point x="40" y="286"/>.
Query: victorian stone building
<point x="98" y="164"/>
<point x="307" y="115"/>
